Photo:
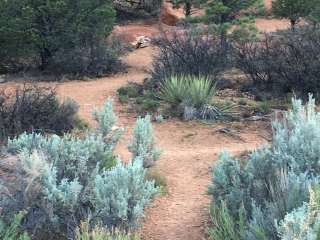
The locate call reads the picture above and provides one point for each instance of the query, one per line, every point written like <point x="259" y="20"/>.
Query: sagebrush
<point x="65" y="180"/>
<point x="274" y="181"/>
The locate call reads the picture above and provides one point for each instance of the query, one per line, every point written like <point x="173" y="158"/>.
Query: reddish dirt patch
<point x="271" y="25"/>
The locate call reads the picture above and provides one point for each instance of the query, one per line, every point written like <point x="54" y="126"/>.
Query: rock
<point x="141" y="42"/>
<point x="2" y="78"/>
<point x="168" y="16"/>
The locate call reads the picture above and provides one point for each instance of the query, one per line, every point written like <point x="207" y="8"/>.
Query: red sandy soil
<point x="189" y="148"/>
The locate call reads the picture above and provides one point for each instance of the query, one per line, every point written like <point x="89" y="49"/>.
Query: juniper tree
<point x="293" y="10"/>
<point x="223" y="13"/>
<point x="36" y="31"/>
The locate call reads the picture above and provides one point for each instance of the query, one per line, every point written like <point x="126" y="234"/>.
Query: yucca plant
<point x="174" y="90"/>
<point x="191" y="90"/>
<point x="201" y="90"/>
<point x="192" y="97"/>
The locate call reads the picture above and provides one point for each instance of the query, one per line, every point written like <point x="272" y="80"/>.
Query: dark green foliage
<point x="146" y="104"/>
<point x="127" y="10"/>
<point x="35" y="109"/>
<point x="282" y="62"/>
<point x="293" y="10"/>
<point x="131" y="90"/>
<point x="143" y="100"/>
<point x="226" y="11"/>
<point x="60" y="36"/>
<point x="224" y="14"/>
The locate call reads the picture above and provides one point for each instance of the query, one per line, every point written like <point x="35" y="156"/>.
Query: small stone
<point x="2" y="79"/>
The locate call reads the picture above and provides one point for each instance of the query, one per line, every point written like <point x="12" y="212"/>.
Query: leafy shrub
<point x="144" y="101"/>
<point x="275" y="180"/>
<point x="188" y="53"/>
<point x="131" y="91"/>
<point x="35" y="109"/>
<point x="282" y="62"/>
<point x="143" y="144"/>
<point x="67" y="180"/>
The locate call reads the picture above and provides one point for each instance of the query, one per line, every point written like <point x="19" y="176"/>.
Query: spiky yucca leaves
<point x="190" y="90"/>
<point x="143" y="143"/>
<point x="192" y="97"/>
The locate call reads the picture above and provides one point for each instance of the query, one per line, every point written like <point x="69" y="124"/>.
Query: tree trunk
<point x="293" y="24"/>
<point x="187" y="7"/>
<point x="45" y="56"/>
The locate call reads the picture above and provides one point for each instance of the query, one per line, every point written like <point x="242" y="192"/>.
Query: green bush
<point x="37" y="109"/>
<point x="274" y="180"/>
<point x="131" y="91"/>
<point x="59" y="37"/>
<point x="224" y="225"/>
<point x="67" y="180"/>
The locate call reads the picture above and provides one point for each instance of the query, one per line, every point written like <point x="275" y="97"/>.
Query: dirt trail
<point x="190" y="148"/>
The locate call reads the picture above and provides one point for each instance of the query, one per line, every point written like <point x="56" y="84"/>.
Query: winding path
<point x="190" y="148"/>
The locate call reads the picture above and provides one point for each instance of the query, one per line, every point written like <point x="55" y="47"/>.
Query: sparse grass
<point x="159" y="179"/>
<point x="242" y="101"/>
